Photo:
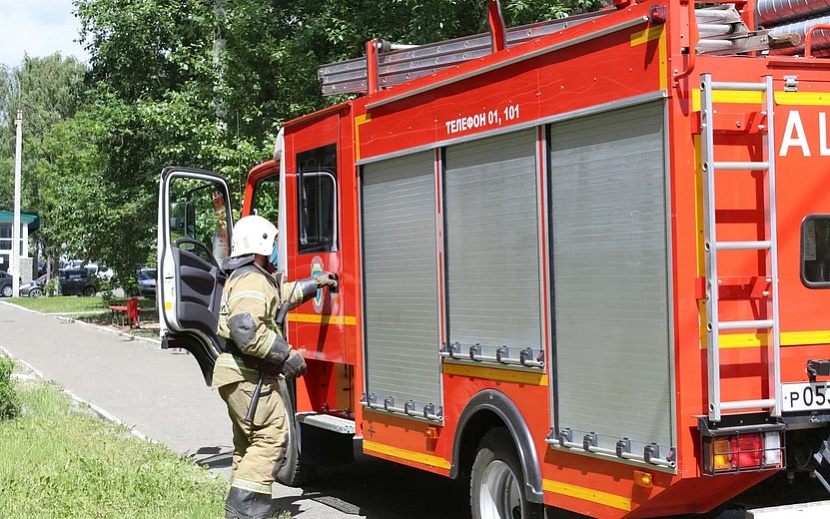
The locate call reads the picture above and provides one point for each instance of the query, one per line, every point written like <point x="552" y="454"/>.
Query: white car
<point x="103" y="272"/>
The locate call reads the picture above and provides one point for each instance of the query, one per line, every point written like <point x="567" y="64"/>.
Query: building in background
<point x="29" y="222"/>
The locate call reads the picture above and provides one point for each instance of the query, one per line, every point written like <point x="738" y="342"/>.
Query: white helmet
<point x="253" y="235"/>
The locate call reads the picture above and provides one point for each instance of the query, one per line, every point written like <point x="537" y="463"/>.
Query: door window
<point x="317" y="197"/>
<point x="198" y="212"/>
<point x="267" y="198"/>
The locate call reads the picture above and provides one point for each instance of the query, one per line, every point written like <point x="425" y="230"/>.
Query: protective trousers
<point x="256" y="447"/>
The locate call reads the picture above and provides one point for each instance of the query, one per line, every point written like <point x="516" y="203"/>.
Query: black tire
<point x="89" y="291"/>
<point x="7" y="291"/>
<point x="35" y="292"/>
<point x="497" y="483"/>
<point x="289" y="470"/>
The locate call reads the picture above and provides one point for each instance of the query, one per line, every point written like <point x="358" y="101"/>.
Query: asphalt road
<point x="162" y="396"/>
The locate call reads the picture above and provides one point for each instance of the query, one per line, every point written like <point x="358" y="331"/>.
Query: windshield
<point x="147" y="274"/>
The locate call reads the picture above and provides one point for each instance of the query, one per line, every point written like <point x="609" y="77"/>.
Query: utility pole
<point x="18" y="156"/>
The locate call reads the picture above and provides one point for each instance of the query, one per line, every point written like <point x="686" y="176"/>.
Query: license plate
<point x="806" y="396"/>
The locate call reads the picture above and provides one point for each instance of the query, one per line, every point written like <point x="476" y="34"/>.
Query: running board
<point x="327" y="422"/>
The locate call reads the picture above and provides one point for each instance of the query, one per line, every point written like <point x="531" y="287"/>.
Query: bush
<point x="9" y="401"/>
<point x="105" y="288"/>
<point x="51" y="287"/>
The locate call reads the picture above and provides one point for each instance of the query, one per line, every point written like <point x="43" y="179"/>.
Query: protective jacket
<point x="251" y="300"/>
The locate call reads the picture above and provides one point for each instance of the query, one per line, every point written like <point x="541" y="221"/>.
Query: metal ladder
<point x="712" y="168"/>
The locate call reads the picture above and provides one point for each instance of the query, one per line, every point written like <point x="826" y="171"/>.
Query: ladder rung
<point x="737" y="166"/>
<point x="743" y="245"/>
<point x="747" y="404"/>
<point x="745" y="325"/>
<point x="754" y="87"/>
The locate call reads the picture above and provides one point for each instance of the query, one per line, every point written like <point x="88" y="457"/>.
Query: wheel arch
<point x="486" y="410"/>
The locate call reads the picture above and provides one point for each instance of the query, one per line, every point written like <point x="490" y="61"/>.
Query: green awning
<point x="32" y="220"/>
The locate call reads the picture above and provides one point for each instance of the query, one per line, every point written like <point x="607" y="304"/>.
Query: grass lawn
<point x="59" y="461"/>
<point x="75" y="304"/>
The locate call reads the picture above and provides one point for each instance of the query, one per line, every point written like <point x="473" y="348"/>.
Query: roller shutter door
<point x="611" y="270"/>
<point x="400" y="280"/>
<point x="492" y="243"/>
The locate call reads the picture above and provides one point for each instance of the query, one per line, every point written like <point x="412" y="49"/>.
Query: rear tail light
<point x="742" y="452"/>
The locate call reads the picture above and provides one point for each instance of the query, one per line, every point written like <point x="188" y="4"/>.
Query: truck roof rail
<point x="401" y="65"/>
<point x="721" y="28"/>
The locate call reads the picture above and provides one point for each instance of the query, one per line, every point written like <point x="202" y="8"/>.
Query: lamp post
<point x="18" y="156"/>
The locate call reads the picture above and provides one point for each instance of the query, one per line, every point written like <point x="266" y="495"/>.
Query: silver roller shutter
<point x="400" y="281"/>
<point x="610" y="270"/>
<point x="492" y="243"/>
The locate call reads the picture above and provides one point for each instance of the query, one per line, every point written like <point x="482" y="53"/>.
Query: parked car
<point x="6" y="283"/>
<point x="78" y="281"/>
<point x="101" y="271"/>
<point x="33" y="288"/>
<point x="147" y="282"/>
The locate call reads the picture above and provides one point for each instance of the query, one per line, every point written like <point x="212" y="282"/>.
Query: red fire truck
<point x="583" y="263"/>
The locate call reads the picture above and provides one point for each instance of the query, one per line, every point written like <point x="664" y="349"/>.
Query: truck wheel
<point x="497" y="484"/>
<point x="289" y="470"/>
<point x="89" y="291"/>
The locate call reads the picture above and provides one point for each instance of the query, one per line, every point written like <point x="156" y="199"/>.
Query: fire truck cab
<point x="585" y="263"/>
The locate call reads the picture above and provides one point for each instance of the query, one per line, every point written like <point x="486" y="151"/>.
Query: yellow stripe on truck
<point x="425" y="459"/>
<point x="587" y="494"/>
<point x="347" y="320"/>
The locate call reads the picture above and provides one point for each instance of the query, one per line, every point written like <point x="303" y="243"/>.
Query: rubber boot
<point x="244" y="504"/>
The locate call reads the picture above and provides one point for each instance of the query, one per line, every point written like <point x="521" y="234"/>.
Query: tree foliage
<point x="49" y="91"/>
<point x="196" y="83"/>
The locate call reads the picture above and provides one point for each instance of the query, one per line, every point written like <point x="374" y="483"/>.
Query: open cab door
<point x="194" y="238"/>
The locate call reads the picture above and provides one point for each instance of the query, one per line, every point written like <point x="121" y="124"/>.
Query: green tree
<point x="50" y="90"/>
<point x="207" y="84"/>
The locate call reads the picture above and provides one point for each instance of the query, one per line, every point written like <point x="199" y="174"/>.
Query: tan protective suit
<point x="250" y="303"/>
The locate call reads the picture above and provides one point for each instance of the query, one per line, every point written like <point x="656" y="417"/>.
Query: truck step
<point x="327" y="422"/>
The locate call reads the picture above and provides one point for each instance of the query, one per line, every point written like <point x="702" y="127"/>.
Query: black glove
<point x="326" y="279"/>
<point x="295" y="366"/>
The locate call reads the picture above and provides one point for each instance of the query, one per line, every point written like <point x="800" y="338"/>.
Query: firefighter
<point x="256" y="356"/>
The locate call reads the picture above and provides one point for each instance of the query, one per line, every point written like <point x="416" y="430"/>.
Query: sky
<point x="39" y="28"/>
